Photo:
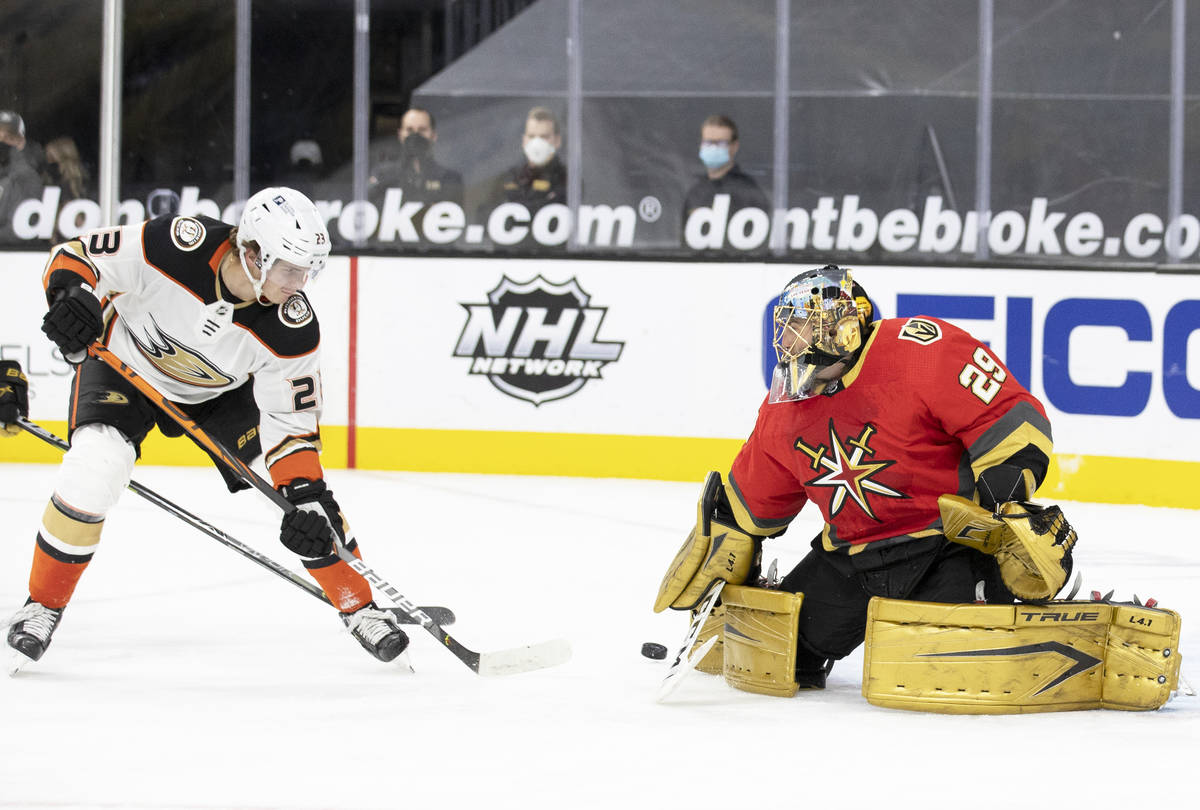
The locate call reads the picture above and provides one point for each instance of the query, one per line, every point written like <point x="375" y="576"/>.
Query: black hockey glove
<point x="1001" y="484"/>
<point x="73" y="321"/>
<point x="310" y="529"/>
<point x="14" y="397"/>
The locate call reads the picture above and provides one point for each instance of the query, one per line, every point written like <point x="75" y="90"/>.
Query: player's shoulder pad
<point x="287" y="330"/>
<point x="923" y="330"/>
<point x="168" y="238"/>
<point x="184" y="247"/>
<point x="919" y="329"/>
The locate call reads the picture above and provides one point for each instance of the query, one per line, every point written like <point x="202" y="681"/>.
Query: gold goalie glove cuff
<point x="713" y="551"/>
<point x="1032" y="544"/>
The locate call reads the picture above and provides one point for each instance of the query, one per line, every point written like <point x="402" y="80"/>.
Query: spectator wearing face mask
<point x="541" y="178"/>
<point x="19" y="177"/>
<point x="416" y="173"/>
<point x="722" y="175"/>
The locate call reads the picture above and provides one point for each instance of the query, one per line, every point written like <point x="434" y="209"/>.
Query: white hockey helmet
<point x="284" y="224"/>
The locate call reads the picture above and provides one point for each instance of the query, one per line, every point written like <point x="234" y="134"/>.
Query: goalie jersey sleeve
<point x="170" y="318"/>
<point x="925" y="409"/>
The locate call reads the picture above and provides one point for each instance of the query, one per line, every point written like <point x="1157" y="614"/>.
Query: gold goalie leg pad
<point x="760" y="639"/>
<point x="1008" y="659"/>
<point x="713" y="661"/>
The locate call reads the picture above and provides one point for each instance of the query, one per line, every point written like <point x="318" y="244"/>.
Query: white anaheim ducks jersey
<point x="169" y="318"/>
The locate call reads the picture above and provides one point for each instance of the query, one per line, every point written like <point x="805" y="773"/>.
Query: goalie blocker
<point x="1009" y="659"/>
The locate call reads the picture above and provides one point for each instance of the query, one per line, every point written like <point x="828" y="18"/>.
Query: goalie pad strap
<point x="1008" y="659"/>
<point x="761" y="628"/>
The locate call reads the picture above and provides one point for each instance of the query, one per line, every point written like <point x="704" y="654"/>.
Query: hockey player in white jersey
<point x="214" y="317"/>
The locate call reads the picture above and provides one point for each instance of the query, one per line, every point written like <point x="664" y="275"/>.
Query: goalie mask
<point x="819" y="321"/>
<point x="284" y="225"/>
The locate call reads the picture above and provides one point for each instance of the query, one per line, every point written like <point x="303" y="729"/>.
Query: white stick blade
<point x="673" y="679"/>
<point x="525" y="659"/>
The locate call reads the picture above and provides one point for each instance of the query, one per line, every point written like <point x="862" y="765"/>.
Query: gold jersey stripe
<point x="68" y="534"/>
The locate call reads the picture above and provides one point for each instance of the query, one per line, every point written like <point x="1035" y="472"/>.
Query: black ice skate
<point x="31" y="627"/>
<point x="377" y="631"/>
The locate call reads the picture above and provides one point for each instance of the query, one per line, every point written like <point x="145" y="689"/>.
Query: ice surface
<point x="184" y="676"/>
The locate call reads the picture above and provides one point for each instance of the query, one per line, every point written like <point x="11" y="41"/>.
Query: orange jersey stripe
<point x="215" y="261"/>
<point x="62" y="260"/>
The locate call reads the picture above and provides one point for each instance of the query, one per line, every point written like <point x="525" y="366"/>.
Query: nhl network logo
<point x="536" y="341"/>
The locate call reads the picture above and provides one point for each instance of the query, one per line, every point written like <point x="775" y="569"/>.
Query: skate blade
<point x="404" y="663"/>
<point x="15" y="661"/>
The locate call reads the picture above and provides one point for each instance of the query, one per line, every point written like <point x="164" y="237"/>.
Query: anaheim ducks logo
<point x="187" y="233"/>
<point x="846" y="472"/>
<point x="295" y="312"/>
<point x="177" y="361"/>
<point x="112" y="398"/>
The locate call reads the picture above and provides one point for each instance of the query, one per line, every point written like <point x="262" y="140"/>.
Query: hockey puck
<point x="653" y="650"/>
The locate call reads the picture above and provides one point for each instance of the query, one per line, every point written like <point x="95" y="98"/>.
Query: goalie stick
<point x="502" y="662"/>
<point x="683" y="664"/>
<point x="442" y="615"/>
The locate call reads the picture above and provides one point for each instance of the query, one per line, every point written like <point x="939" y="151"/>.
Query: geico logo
<point x="1062" y="349"/>
<point x="1052" y="616"/>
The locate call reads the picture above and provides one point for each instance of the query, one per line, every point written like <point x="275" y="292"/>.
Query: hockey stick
<point x="502" y="662"/>
<point x="442" y="615"/>
<point x="683" y="664"/>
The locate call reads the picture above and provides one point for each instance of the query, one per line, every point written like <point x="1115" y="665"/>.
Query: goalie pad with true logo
<point x="1009" y="659"/>
<point x="1031" y="543"/>
<point x="761" y="629"/>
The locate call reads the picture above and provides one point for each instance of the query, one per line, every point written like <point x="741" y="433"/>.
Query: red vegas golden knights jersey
<point x="925" y="409"/>
<point x="160" y="283"/>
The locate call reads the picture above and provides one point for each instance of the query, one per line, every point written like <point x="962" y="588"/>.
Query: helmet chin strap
<point x="258" y="283"/>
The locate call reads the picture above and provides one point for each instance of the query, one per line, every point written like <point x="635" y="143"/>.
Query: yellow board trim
<point x="1098" y="479"/>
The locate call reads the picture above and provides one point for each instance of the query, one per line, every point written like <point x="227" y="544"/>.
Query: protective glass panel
<point x="177" y="107"/>
<point x="882" y="124"/>
<point x="643" y="101"/>
<point x="1080" y="130"/>
<point x="302" y="103"/>
<point x="48" y="172"/>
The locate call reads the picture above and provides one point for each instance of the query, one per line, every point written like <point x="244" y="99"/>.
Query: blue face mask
<point x="714" y="156"/>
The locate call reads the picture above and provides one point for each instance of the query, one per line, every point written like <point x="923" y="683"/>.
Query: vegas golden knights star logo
<point x="846" y="472"/>
<point x="177" y="361"/>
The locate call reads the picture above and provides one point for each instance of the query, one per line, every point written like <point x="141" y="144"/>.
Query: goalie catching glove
<point x="716" y="549"/>
<point x="1032" y="544"/>
<point x="14" y="397"/>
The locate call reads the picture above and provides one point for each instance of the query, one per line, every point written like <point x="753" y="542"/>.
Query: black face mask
<point x="416" y="146"/>
<point x="5" y="153"/>
<point x="55" y="173"/>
